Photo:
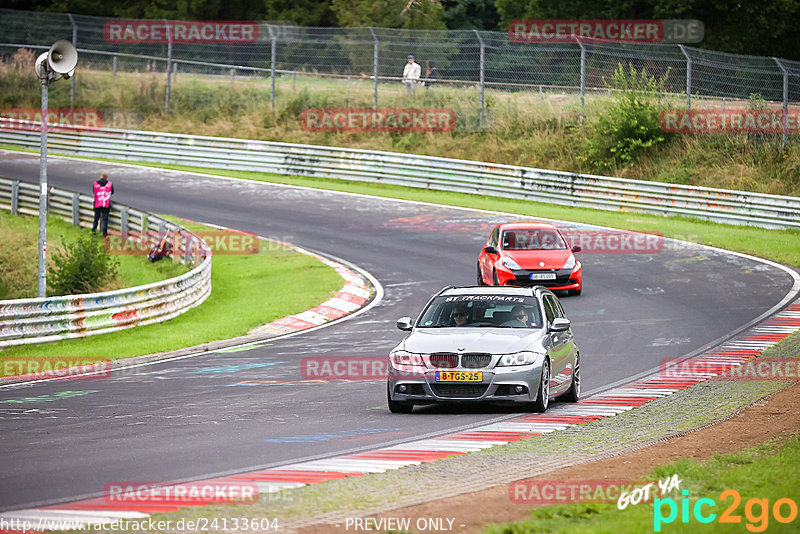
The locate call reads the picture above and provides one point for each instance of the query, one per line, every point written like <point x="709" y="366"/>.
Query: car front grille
<point x="459" y="390"/>
<point x="475" y="360"/>
<point x="444" y="360"/>
<point x="523" y="278"/>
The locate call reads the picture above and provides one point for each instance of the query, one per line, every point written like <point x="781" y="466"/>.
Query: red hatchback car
<point x="530" y="254"/>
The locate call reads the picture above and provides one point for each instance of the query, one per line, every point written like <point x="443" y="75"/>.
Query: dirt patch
<point x="775" y="418"/>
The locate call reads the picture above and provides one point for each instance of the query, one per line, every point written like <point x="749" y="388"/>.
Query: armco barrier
<point x="570" y="189"/>
<point x="38" y="320"/>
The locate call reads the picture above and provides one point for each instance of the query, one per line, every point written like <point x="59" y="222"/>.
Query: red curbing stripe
<point x="603" y="402"/>
<point x="570" y="419"/>
<point x="383" y="454"/>
<point x="293" y="322"/>
<point x="328" y="311"/>
<point x="492" y="436"/>
<point x="349" y="297"/>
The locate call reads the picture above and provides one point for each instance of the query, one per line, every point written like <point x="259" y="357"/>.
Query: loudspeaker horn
<point x="62" y="58"/>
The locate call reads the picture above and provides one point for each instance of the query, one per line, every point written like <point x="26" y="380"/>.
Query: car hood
<point x="492" y="340"/>
<point x="529" y="259"/>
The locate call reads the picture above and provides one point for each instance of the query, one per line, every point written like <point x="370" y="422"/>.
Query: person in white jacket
<point x="411" y="75"/>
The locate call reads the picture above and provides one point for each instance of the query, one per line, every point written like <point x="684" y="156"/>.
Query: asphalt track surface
<point x="235" y="411"/>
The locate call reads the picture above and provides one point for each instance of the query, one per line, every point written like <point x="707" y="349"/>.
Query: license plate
<point x="459" y="376"/>
<point x="543" y="276"/>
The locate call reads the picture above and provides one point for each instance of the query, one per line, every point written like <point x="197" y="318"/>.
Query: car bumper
<point x="565" y="279"/>
<point x="498" y="386"/>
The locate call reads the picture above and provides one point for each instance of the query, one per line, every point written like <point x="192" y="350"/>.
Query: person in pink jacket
<point x="102" y="189"/>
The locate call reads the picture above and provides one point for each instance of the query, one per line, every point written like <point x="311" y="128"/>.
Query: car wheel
<point x="574" y="393"/>
<point x="494" y="278"/>
<point x="480" y="276"/>
<point x="396" y="406"/>
<point x="543" y="395"/>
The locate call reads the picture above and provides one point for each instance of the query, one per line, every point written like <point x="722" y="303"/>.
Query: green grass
<point x="19" y="257"/>
<point x="247" y="291"/>
<point x="767" y="472"/>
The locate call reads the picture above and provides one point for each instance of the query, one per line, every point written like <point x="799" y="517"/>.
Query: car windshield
<point x="482" y="311"/>
<point x="533" y="239"/>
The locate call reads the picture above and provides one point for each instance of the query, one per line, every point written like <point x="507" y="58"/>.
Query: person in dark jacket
<point x="430" y="73"/>
<point x="102" y="190"/>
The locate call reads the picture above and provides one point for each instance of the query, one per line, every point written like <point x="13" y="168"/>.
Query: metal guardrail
<point x="36" y="320"/>
<point x="555" y="187"/>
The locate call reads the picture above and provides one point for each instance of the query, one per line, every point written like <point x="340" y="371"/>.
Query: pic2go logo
<point x="756" y="511"/>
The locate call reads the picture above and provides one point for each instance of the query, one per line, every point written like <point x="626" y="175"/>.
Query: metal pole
<point x="688" y="78"/>
<point x="482" y="68"/>
<point x="375" y="68"/>
<point x="169" y="63"/>
<point x="75" y="44"/>
<point x="785" y="101"/>
<point x="41" y="286"/>
<point x="114" y="66"/>
<point x="273" y="44"/>
<point x="583" y="79"/>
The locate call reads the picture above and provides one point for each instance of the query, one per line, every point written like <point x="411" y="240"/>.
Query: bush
<point x="82" y="267"/>
<point x="630" y="124"/>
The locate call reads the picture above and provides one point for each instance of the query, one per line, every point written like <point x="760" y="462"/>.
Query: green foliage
<point x="302" y="101"/>
<point x="419" y="15"/>
<point x="630" y="124"/>
<point x="83" y="267"/>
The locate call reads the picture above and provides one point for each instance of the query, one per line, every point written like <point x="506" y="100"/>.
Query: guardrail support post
<point x="123" y="222"/>
<point x="76" y="209"/>
<point x="785" y="101"/>
<point x="14" y="197"/>
<point x="145" y="223"/>
<point x="187" y="257"/>
<point x="374" y="68"/>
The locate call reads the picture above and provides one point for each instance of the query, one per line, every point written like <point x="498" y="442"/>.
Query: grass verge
<point x="247" y="291"/>
<point x="18" y="257"/>
<point x="760" y="476"/>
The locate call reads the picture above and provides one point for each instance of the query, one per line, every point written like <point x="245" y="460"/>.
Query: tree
<point x="470" y="14"/>
<point x="408" y="14"/>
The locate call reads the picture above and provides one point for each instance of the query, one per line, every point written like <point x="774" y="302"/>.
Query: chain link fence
<point x="366" y="64"/>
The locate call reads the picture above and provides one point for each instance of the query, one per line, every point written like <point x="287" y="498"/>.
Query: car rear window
<point x="533" y="239"/>
<point x="482" y="311"/>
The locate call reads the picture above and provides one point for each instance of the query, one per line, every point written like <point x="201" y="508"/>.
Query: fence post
<point x="273" y="44"/>
<point x="482" y="70"/>
<point x="169" y="63"/>
<point x="76" y="209"/>
<point x="75" y="44"/>
<point x="114" y="67"/>
<point x="14" y="197"/>
<point x="583" y="78"/>
<point x="374" y="68"/>
<point x="187" y="257"/>
<point x="688" y="78"/>
<point x="785" y="100"/>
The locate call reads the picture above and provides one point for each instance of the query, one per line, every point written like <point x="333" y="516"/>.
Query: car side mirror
<point x="577" y="248"/>
<point x="489" y="249"/>
<point x="560" y="324"/>
<point x="404" y="323"/>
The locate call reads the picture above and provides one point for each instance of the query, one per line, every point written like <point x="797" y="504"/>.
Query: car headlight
<point x="508" y="263"/>
<point x="570" y="262"/>
<point x="402" y="357"/>
<point x="517" y="358"/>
